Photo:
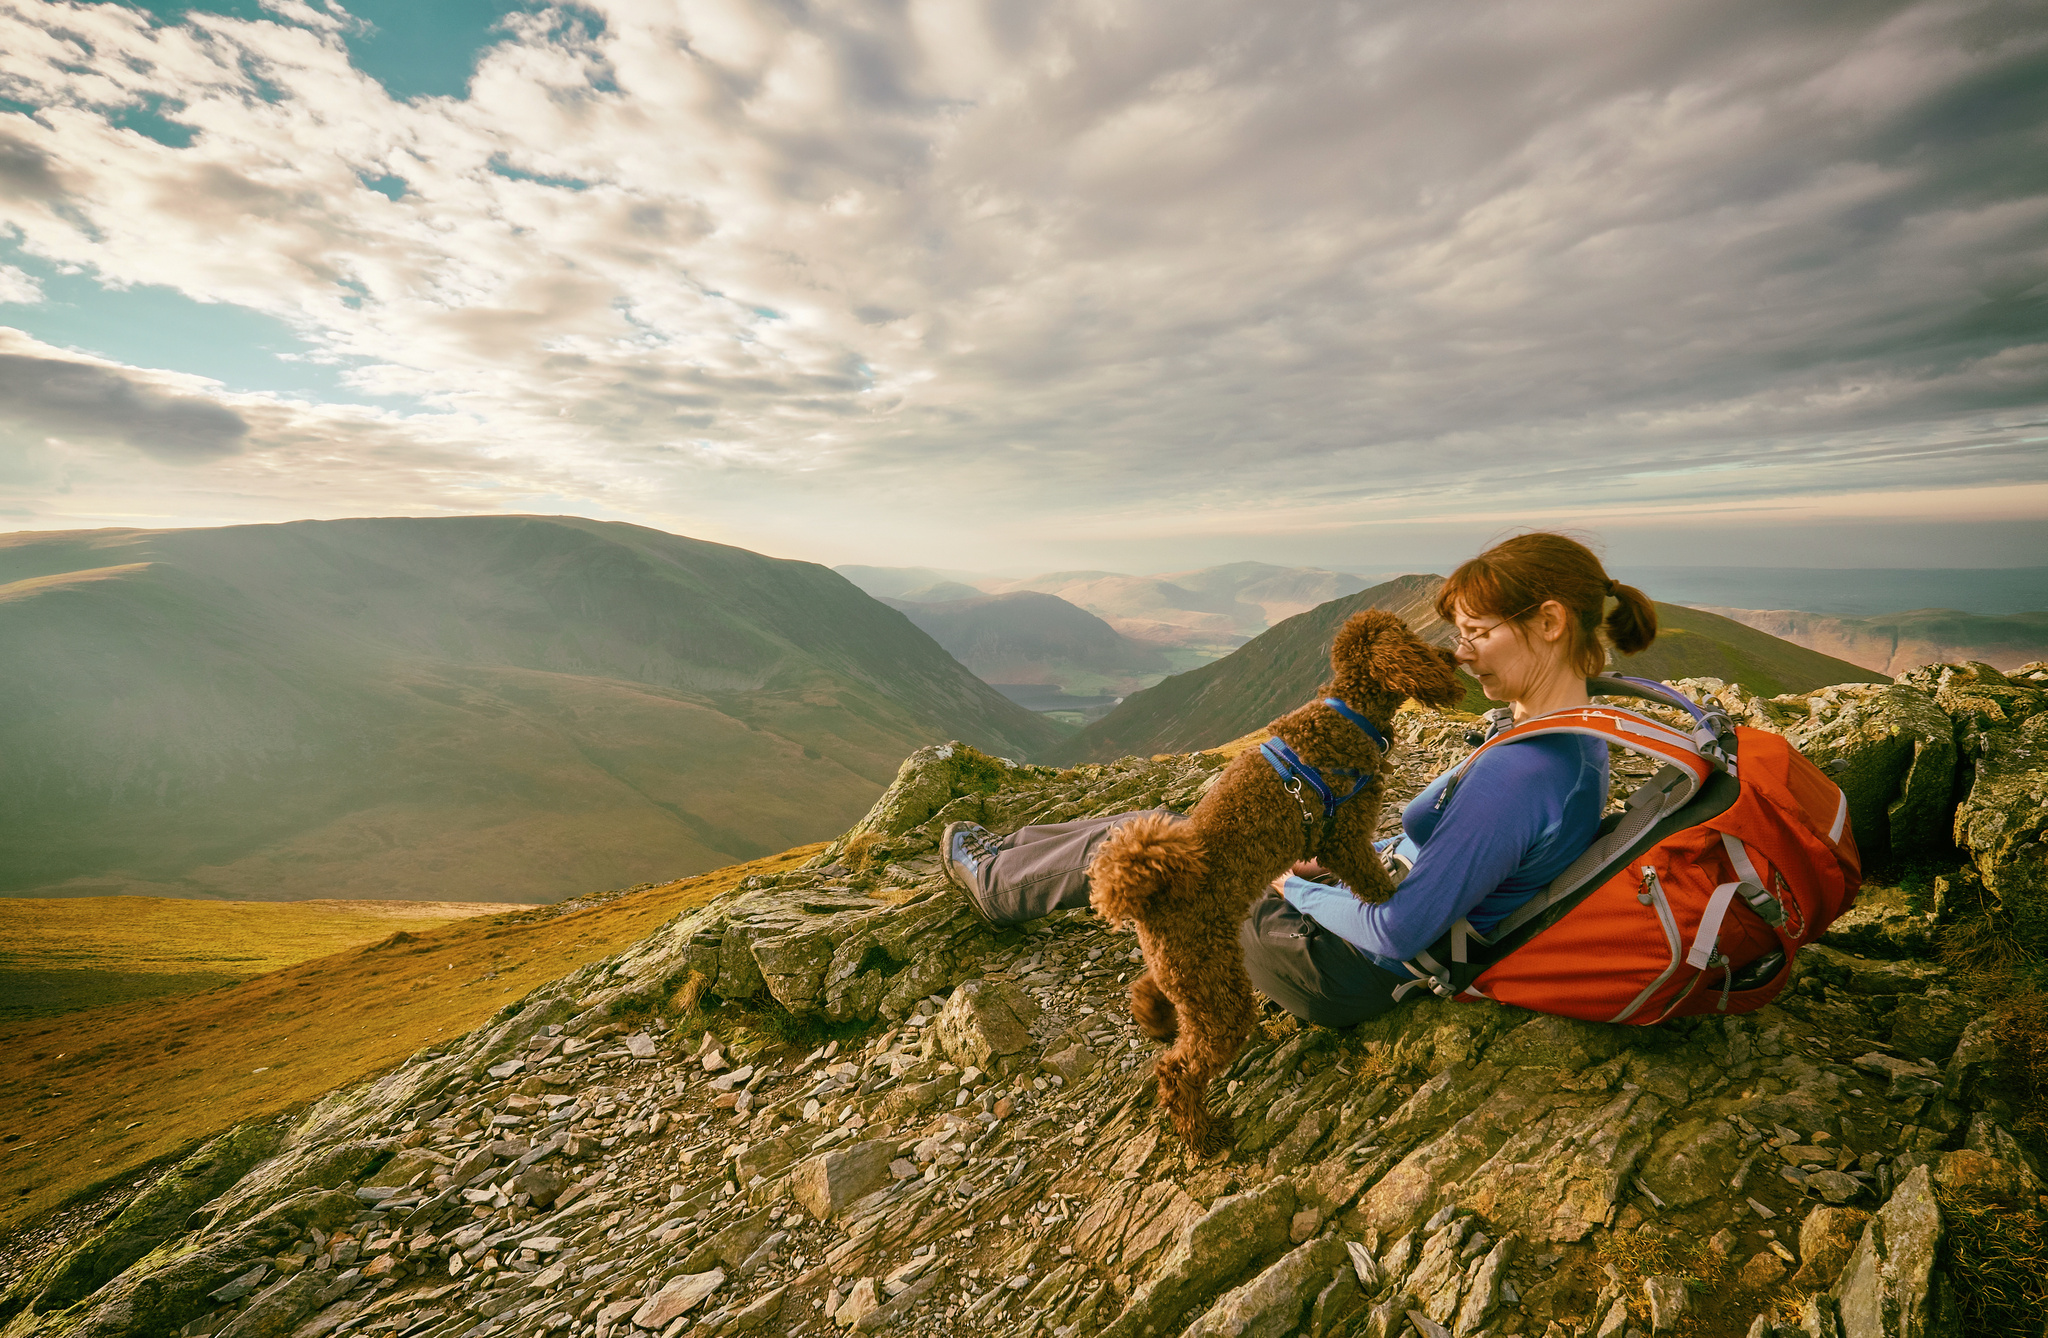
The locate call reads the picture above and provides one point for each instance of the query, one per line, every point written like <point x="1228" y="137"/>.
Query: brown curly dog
<point x="1187" y="884"/>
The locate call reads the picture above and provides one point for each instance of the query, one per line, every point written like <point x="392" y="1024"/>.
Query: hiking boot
<point x="965" y="849"/>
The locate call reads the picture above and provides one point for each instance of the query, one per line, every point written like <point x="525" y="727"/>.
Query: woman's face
<point x="1510" y="659"/>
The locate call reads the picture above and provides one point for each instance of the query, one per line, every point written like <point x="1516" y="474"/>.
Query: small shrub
<point x="854" y="854"/>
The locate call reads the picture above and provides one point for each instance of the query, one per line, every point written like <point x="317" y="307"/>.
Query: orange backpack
<point x="1694" y="899"/>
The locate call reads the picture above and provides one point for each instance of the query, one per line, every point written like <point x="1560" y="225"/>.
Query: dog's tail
<point x="1149" y="861"/>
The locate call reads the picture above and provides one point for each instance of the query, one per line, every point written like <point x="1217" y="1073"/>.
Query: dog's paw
<point x="1217" y="1136"/>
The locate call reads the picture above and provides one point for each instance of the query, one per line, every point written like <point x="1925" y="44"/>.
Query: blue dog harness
<point x="1296" y="774"/>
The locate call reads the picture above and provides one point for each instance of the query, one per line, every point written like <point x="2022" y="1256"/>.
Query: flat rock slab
<point x="676" y="1298"/>
<point x="827" y="1183"/>
<point x="985" y="1020"/>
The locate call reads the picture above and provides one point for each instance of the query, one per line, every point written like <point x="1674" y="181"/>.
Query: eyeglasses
<point x="1470" y="642"/>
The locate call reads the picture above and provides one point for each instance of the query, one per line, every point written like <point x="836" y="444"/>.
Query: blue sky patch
<point x="149" y="120"/>
<point x="414" y="48"/>
<point x="511" y="173"/>
<point x="152" y="326"/>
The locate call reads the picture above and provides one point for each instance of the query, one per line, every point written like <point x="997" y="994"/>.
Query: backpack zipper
<point x="1652" y="894"/>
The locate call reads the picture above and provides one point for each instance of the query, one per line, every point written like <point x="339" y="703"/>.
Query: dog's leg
<point x="1188" y="1068"/>
<point x="1350" y="854"/>
<point x="1152" y="1010"/>
<point x="1362" y="872"/>
<point x="1199" y="968"/>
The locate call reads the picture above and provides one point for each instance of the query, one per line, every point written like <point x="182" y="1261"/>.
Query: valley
<point x="492" y="709"/>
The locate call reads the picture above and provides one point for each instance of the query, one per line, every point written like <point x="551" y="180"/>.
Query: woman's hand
<point x="1307" y="868"/>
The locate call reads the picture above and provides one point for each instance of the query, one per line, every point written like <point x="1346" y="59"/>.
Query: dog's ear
<point x="1358" y="641"/>
<point x="1381" y="646"/>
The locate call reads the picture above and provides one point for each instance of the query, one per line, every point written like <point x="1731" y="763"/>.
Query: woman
<point x="1529" y="613"/>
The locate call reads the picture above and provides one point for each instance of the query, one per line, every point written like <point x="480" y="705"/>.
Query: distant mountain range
<point x="1282" y="667"/>
<point x="1896" y="642"/>
<point x="1028" y="639"/>
<point x="470" y="708"/>
<point x="1209" y="611"/>
<point x="897" y="582"/>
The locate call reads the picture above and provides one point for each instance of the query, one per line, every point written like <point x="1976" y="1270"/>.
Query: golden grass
<point x="84" y="939"/>
<point x="1634" y="1256"/>
<point x="1997" y="1256"/>
<point x="92" y="1096"/>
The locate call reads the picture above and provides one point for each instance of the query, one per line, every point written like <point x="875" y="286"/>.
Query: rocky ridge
<point x="835" y="1101"/>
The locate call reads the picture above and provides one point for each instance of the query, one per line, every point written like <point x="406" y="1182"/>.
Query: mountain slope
<point x="1280" y="669"/>
<point x="470" y="708"/>
<point x="1892" y="643"/>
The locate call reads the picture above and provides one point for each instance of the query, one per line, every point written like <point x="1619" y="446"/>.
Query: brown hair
<point x="1515" y="577"/>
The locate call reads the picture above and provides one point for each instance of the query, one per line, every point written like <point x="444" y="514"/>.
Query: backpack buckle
<point x="1768" y="907"/>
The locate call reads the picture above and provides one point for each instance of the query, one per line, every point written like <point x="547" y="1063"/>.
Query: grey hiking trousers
<point x="1291" y="959"/>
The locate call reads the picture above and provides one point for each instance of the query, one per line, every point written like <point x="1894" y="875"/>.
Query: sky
<point x="1016" y="284"/>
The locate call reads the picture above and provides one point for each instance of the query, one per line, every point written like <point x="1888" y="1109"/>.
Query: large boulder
<point x="1977" y="698"/>
<point x="1893" y="752"/>
<point x="2003" y="824"/>
<point x="869" y="927"/>
<point x="937" y="784"/>
<point x="1891" y="747"/>
<point x="1892" y="1286"/>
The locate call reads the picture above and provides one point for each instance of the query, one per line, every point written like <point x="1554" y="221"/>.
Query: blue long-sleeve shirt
<point x="1517" y="817"/>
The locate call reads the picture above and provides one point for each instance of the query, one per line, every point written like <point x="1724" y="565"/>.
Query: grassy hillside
<point x="1280" y="669"/>
<point x="1027" y="637"/>
<point x="472" y="708"/>
<point x="1893" y="643"/>
<point x="1692" y="643"/>
<point x="63" y="954"/>
<point x="89" y="1097"/>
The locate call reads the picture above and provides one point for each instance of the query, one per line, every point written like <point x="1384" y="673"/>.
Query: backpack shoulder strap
<point x="1626" y="729"/>
<point x="1712" y="730"/>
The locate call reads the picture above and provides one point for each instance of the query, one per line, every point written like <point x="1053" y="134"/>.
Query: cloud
<point x="795" y="274"/>
<point x="17" y="285"/>
<point x="90" y="400"/>
<point x="25" y="172"/>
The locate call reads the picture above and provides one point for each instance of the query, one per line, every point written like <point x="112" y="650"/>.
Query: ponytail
<point x="1633" y="624"/>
